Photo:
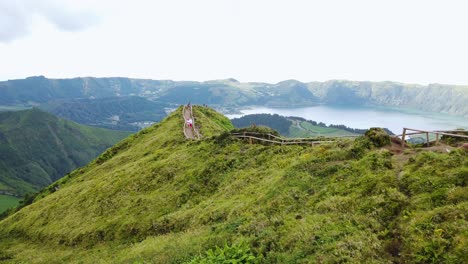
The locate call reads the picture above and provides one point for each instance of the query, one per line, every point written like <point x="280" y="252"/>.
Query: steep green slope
<point x="158" y="198"/>
<point x="37" y="148"/>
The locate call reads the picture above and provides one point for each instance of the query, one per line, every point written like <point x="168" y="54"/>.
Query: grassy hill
<point x="37" y="148"/>
<point x="158" y="198"/>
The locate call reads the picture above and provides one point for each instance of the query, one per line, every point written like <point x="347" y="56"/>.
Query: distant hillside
<point x="296" y="126"/>
<point x="157" y="197"/>
<point x="37" y="148"/>
<point x="439" y="98"/>
<point x="129" y="113"/>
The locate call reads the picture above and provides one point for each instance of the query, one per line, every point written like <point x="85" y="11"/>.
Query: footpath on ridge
<point x="189" y="132"/>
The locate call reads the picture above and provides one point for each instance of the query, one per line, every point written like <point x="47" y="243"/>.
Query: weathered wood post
<point x="403" y="138"/>
<point x="437" y="138"/>
<point x="427" y="139"/>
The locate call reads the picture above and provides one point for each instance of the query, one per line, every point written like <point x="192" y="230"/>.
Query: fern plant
<point x="237" y="253"/>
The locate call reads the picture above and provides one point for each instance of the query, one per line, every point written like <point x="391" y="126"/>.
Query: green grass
<point x="7" y="202"/>
<point x="158" y="198"/>
<point x="306" y="129"/>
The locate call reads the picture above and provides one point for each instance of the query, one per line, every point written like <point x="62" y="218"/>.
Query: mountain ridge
<point x="157" y="197"/>
<point x="450" y="99"/>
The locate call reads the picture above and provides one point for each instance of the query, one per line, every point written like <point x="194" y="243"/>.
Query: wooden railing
<point x="451" y="133"/>
<point x="266" y="137"/>
<point x="197" y="134"/>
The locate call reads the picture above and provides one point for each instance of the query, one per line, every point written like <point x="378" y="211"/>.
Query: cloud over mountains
<point x="16" y="17"/>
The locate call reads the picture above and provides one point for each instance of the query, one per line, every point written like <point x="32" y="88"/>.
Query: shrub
<point x="454" y="141"/>
<point x="360" y="146"/>
<point x="257" y="129"/>
<point x="224" y="139"/>
<point x="378" y="136"/>
<point x="238" y="253"/>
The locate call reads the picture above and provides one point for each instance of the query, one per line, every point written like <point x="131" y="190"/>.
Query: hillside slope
<point x="440" y="98"/>
<point x="37" y="148"/>
<point x="128" y="113"/>
<point x="158" y="198"/>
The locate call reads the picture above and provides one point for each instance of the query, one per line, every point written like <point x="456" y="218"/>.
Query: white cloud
<point x="17" y="17"/>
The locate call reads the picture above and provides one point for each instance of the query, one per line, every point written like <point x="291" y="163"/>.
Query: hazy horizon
<point x="415" y="42"/>
<point x="236" y="79"/>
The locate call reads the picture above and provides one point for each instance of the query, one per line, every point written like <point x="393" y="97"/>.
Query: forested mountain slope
<point x="37" y="148"/>
<point x="128" y="113"/>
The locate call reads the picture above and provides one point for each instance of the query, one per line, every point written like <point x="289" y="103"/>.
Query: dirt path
<point x="188" y="131"/>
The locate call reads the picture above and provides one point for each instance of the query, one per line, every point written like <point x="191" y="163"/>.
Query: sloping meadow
<point x="158" y="198"/>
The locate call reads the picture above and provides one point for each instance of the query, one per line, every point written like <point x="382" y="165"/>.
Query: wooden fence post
<point x="427" y="139"/>
<point x="403" y="138"/>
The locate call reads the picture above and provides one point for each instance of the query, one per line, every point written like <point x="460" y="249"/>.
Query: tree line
<point x="282" y="124"/>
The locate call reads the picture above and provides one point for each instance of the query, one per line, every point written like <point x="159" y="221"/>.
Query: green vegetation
<point x="295" y="126"/>
<point x="279" y="123"/>
<point x="156" y="197"/>
<point x="307" y="129"/>
<point x="240" y="253"/>
<point x="129" y="113"/>
<point x="454" y="141"/>
<point x="7" y="201"/>
<point x="37" y="148"/>
<point x="378" y="137"/>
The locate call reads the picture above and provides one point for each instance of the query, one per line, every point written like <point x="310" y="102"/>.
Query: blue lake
<point x="365" y="117"/>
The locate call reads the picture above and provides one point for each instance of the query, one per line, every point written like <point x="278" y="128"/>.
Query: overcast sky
<point x="412" y="41"/>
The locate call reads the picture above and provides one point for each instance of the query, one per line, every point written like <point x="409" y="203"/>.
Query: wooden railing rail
<point x="193" y="123"/>
<point x="270" y="136"/>
<point x="436" y="132"/>
<point x="282" y="141"/>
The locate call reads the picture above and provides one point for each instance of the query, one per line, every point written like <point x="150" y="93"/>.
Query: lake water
<point x="365" y="117"/>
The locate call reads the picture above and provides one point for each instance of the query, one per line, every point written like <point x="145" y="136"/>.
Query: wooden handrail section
<point x="282" y="141"/>
<point x="436" y="132"/>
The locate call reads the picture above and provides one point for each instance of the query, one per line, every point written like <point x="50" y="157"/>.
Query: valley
<point x="37" y="148"/>
<point x="364" y="117"/>
<point x="233" y="132"/>
<point x="98" y="101"/>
